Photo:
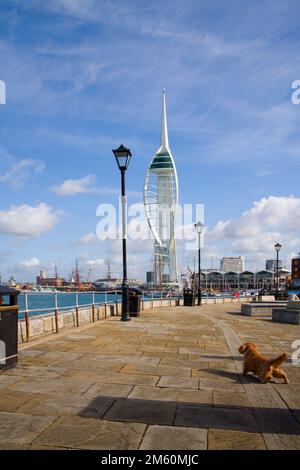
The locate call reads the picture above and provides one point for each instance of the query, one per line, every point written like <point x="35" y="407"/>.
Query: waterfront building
<point x="150" y="278"/>
<point x="246" y="280"/>
<point x="160" y="200"/>
<point x="44" y="281"/>
<point x="296" y="271"/>
<point x="271" y="264"/>
<point x="232" y="263"/>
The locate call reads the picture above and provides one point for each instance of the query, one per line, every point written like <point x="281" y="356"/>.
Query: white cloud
<point x="18" y="174"/>
<point x="270" y="220"/>
<point x="88" y="238"/>
<point x="28" y="221"/>
<point x="271" y="214"/>
<point x="99" y="262"/>
<point x="29" y="263"/>
<point x="71" y="187"/>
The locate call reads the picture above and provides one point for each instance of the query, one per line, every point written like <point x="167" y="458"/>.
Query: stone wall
<point x="40" y="325"/>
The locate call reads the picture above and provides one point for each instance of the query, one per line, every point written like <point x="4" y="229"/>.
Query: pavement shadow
<point x="224" y="373"/>
<point x="249" y="378"/>
<point x="196" y="415"/>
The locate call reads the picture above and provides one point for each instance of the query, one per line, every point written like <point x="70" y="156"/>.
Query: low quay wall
<point x="39" y="325"/>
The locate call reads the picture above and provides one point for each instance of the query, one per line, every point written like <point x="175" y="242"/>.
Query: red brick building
<point x="296" y="271"/>
<point x="44" y="281"/>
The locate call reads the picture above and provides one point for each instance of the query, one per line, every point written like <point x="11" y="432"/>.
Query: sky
<point x="84" y="76"/>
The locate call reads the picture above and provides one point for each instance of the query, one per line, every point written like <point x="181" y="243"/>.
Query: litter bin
<point x="135" y="302"/>
<point x="188" y="298"/>
<point x="8" y="327"/>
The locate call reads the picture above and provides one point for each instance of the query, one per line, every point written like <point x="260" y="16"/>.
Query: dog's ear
<point x="242" y="349"/>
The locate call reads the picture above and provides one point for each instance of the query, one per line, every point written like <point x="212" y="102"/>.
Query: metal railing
<point x="109" y="298"/>
<point x="28" y="313"/>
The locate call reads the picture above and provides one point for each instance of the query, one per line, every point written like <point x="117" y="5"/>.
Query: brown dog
<point x="260" y="365"/>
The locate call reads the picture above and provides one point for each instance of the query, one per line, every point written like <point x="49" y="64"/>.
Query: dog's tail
<point x="278" y="360"/>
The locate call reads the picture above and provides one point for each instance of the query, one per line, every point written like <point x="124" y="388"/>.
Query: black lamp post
<point x="277" y="248"/>
<point x="199" y="229"/>
<point x="123" y="155"/>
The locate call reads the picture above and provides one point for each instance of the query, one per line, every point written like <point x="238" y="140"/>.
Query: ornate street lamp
<point x="123" y="155"/>
<point x="199" y="229"/>
<point x="277" y="248"/>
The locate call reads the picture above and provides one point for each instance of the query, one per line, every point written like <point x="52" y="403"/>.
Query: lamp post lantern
<point x="123" y="155"/>
<point x="199" y="229"/>
<point x="277" y="248"/>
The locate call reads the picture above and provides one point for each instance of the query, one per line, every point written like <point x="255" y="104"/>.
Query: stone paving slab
<point x="80" y="337"/>
<point x="88" y="364"/>
<point x="62" y="404"/>
<point x="158" y="370"/>
<point x="40" y="360"/>
<point x="6" y="380"/>
<point x="50" y="386"/>
<point x="144" y="360"/>
<point x="142" y="411"/>
<point x="194" y="350"/>
<point x="179" y="382"/>
<point x="221" y="365"/>
<point x="221" y="398"/>
<point x="31" y="352"/>
<point x="175" y="362"/>
<point x="174" y="438"/>
<point x="111" y="378"/>
<point x="162" y="355"/>
<point x="241" y="419"/>
<point x="56" y="355"/>
<point x="159" y="349"/>
<point x="22" y="428"/>
<point x="225" y="439"/>
<point x="220" y="384"/>
<point x="6" y="446"/>
<point x="170" y="379"/>
<point x="11" y="400"/>
<point x="36" y="372"/>
<point x="84" y="433"/>
<point x="55" y="345"/>
<point x="185" y="339"/>
<point x="172" y="395"/>
<point x="108" y="390"/>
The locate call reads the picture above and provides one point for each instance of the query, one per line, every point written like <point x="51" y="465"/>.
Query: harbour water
<point x="38" y="301"/>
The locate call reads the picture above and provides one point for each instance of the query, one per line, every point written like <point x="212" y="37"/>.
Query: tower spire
<point x="164" y="140"/>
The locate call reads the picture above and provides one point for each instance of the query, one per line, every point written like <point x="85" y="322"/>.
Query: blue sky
<point x="82" y="76"/>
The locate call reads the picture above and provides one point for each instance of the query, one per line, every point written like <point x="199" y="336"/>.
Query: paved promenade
<point x="167" y="380"/>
